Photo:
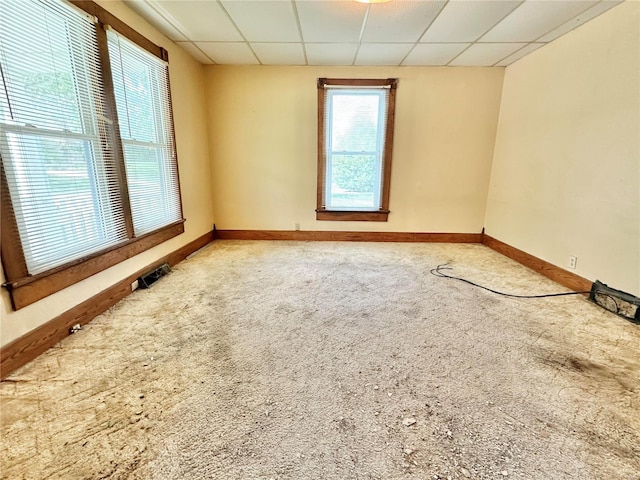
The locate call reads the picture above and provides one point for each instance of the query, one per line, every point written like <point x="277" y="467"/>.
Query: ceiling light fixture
<point x="373" y="1"/>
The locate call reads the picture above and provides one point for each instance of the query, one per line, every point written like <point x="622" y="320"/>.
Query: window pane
<point x="152" y="194"/>
<point x="62" y="181"/>
<point x="354" y="121"/>
<point x="38" y="68"/>
<point x="144" y="114"/>
<point x="62" y="207"/>
<point x="353" y="181"/>
<point x="135" y="98"/>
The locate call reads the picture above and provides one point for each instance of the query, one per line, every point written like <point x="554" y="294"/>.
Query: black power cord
<point x="438" y="273"/>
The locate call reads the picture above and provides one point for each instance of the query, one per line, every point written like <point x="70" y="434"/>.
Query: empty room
<point x="320" y="239"/>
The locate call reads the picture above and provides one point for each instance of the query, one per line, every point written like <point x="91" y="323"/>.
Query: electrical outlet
<point x="134" y="285"/>
<point x="297" y="225"/>
<point x="573" y="260"/>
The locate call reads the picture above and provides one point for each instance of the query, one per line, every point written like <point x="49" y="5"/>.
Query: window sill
<point x="352" y="215"/>
<point x="25" y="291"/>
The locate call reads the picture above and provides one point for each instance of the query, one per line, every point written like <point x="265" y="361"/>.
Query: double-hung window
<point x="355" y="144"/>
<point x="141" y="87"/>
<point x="89" y="170"/>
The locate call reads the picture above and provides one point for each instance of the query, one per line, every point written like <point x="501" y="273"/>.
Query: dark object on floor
<point x="148" y="279"/>
<point x="621" y="303"/>
<point x="438" y="273"/>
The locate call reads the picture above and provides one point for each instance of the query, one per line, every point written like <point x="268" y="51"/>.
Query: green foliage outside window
<point x="354" y="173"/>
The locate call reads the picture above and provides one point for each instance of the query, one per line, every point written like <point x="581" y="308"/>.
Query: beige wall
<point x="187" y="90"/>
<point x="566" y="171"/>
<point x="262" y="132"/>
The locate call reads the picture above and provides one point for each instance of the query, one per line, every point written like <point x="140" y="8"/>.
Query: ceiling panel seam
<point x="501" y="19"/>
<point x="568" y="21"/>
<point x="423" y="32"/>
<point x="175" y="24"/>
<point x="247" y="43"/>
<point x="304" y="44"/>
<point x="364" y="25"/>
<point x="463" y="50"/>
<point x="512" y="53"/>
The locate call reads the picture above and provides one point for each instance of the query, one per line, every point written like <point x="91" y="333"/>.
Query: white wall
<point x="187" y="90"/>
<point x="566" y="170"/>
<point x="263" y="129"/>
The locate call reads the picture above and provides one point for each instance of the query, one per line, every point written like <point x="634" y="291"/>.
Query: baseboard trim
<point x="26" y="348"/>
<point x="334" y="236"/>
<point x="549" y="270"/>
<point x="553" y="272"/>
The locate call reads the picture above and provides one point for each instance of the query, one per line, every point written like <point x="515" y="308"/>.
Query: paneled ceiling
<point x="346" y="32"/>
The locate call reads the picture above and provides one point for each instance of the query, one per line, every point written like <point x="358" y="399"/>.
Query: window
<point x="89" y="171"/>
<point x="141" y="88"/>
<point x="355" y="143"/>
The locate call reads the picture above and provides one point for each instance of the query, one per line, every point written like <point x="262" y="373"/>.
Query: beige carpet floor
<point x="294" y="360"/>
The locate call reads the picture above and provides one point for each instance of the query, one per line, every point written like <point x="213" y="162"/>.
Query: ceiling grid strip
<point x="425" y="31"/>
<point x="364" y="25"/>
<point x="304" y="44"/>
<point x="477" y="40"/>
<point x="244" y="39"/>
<point x="547" y="32"/>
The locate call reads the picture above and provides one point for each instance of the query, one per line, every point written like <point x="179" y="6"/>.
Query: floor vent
<point x="621" y="303"/>
<point x="148" y="279"/>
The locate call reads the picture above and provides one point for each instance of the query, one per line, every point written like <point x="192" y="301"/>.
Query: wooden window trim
<point x="25" y="289"/>
<point x="107" y="18"/>
<point x="114" y="140"/>
<point x="353" y="215"/>
<point x="382" y="214"/>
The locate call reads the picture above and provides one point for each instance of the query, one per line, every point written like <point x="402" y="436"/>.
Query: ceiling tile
<point x="485" y="54"/>
<point x="434" y="53"/>
<point x="535" y="18"/>
<point x="331" y="21"/>
<point x="279" y="53"/>
<point x="331" y="53"/>
<point x="195" y="52"/>
<point x="466" y="21"/>
<point x="399" y="21"/>
<point x="228" y="53"/>
<point x="264" y="21"/>
<point x="519" y="54"/>
<point x="158" y="17"/>
<point x="580" y="19"/>
<point x="382" y="53"/>
<point x="202" y="21"/>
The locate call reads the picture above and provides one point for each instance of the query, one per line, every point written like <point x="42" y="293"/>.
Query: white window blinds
<point x="61" y="175"/>
<point x="144" y="115"/>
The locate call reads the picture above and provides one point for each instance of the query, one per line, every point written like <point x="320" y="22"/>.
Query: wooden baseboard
<point x="553" y="272"/>
<point x="557" y="274"/>
<point x="333" y="236"/>
<point x="24" y="349"/>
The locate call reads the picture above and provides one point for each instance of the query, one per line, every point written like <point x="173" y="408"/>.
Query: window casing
<point x="82" y="189"/>
<point x="355" y="145"/>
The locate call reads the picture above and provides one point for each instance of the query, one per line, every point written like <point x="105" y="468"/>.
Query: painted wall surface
<point x="187" y="90"/>
<point x="263" y="130"/>
<point x="566" y="171"/>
